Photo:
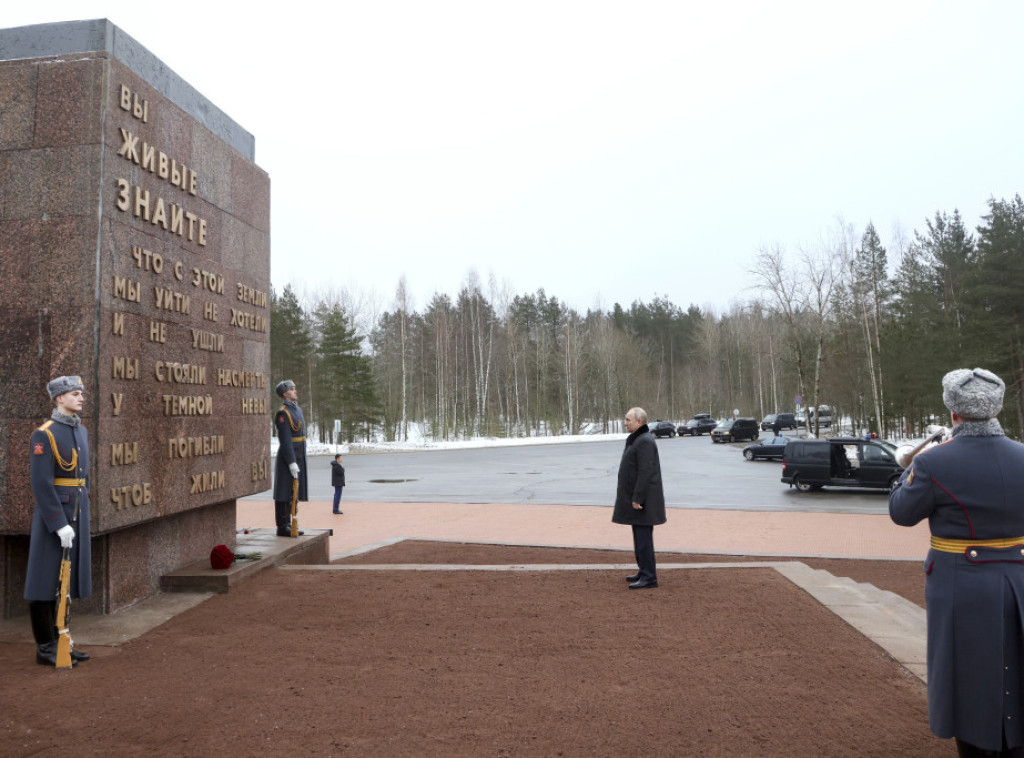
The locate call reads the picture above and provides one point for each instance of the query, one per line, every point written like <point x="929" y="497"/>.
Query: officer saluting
<point x="59" y="465"/>
<point x="291" y="456"/>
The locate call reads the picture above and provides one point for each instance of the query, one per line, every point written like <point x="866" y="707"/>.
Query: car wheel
<point x="801" y="485"/>
<point x="893" y="482"/>
<point x="748" y="454"/>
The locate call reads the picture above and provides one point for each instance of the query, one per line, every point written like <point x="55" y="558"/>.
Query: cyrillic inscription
<point x="188" y="405"/>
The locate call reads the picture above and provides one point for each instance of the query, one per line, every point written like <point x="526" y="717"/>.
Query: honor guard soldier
<point x="969" y="490"/>
<point x="291" y="456"/>
<point x="59" y="467"/>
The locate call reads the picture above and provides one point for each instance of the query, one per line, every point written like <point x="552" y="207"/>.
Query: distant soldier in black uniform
<point x="291" y="456"/>
<point x="59" y="466"/>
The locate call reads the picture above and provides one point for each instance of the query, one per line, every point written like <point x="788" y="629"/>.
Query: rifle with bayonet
<point x="295" y="500"/>
<point x="63" y="613"/>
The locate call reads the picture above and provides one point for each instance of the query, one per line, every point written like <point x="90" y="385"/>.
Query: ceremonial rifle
<point x="295" y="500"/>
<point x="64" y="636"/>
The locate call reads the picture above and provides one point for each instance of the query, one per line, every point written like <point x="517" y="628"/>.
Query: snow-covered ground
<point x="419" y="441"/>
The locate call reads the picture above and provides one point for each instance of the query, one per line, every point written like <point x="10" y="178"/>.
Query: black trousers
<point x="643" y="548"/>
<point x="283" y="514"/>
<point x="43" y="615"/>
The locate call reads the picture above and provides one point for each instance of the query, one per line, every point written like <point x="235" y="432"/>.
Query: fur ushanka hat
<point x="973" y="395"/>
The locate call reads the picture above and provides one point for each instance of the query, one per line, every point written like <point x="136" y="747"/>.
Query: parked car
<point x="663" y="429"/>
<point x="696" y="426"/>
<point x="824" y="414"/>
<point x="769" y="450"/>
<point x="801" y="419"/>
<point x="784" y="420"/>
<point x="840" y="462"/>
<point x="735" y="429"/>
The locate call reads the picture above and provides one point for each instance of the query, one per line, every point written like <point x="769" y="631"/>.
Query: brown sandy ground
<point x="727" y="662"/>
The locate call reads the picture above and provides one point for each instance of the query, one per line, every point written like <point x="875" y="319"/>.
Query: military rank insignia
<point x="910" y="477"/>
<point x="37" y="449"/>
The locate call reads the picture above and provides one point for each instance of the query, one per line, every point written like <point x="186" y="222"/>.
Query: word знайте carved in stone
<point x="170" y="217"/>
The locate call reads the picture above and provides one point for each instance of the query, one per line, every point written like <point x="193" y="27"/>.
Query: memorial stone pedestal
<point x="134" y="252"/>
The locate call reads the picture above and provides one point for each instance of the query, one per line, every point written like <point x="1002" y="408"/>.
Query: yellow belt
<point x="59" y="482"/>
<point x="298" y="439"/>
<point x="959" y="546"/>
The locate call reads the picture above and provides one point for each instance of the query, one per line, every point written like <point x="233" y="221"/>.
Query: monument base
<point x="127" y="564"/>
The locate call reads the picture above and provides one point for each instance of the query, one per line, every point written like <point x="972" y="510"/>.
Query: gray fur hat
<point x="974" y="395"/>
<point x="60" y="385"/>
<point x="284" y="386"/>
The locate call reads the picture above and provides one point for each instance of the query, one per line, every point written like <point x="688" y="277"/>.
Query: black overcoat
<point x="56" y="507"/>
<point x="337" y="474"/>
<point x="971" y="488"/>
<point x="291" y="436"/>
<point x="640" y="482"/>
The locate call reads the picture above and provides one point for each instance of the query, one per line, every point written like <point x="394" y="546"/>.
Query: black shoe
<point x="284" y="532"/>
<point x="78" y="655"/>
<point x="644" y="584"/>
<point x="338" y="512"/>
<point x="46" y="655"/>
<point x="632" y="577"/>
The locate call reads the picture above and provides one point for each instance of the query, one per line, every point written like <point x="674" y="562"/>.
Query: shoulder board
<point x="46" y="425"/>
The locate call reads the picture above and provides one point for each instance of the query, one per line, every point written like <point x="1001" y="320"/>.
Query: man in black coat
<point x="291" y="456"/>
<point x="969" y="488"/>
<point x="639" y="497"/>
<point x="337" y="480"/>
<point x="59" y="467"/>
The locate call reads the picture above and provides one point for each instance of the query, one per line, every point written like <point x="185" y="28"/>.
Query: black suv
<point x="732" y="430"/>
<point x="663" y="429"/>
<point x="784" y="420"/>
<point x="700" y="424"/>
<point x="840" y="462"/>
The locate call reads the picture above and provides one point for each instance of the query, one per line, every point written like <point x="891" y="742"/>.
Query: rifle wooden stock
<point x="64" y="636"/>
<point x="295" y="500"/>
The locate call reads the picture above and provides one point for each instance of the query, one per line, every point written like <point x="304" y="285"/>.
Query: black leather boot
<point x="46" y="655"/>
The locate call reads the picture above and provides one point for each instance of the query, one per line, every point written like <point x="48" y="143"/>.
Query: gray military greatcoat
<point x="64" y="459"/>
<point x="971" y="488"/>
<point x="291" y="436"/>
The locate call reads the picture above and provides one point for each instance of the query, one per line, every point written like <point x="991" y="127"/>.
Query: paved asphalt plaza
<point x="561" y="495"/>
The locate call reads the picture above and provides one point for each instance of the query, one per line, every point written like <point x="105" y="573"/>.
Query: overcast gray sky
<point x="603" y="151"/>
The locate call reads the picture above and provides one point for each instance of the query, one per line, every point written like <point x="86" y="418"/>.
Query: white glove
<point x="294" y="468"/>
<point x="67" y="536"/>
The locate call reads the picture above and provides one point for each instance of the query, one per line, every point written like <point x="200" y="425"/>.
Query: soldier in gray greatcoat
<point x="640" y="497"/>
<point x="291" y="456"/>
<point x="59" y="467"/>
<point x="971" y="490"/>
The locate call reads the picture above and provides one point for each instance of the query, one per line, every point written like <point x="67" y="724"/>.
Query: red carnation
<point x="221" y="557"/>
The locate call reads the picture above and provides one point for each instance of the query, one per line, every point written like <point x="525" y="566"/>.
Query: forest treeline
<point x="847" y="322"/>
